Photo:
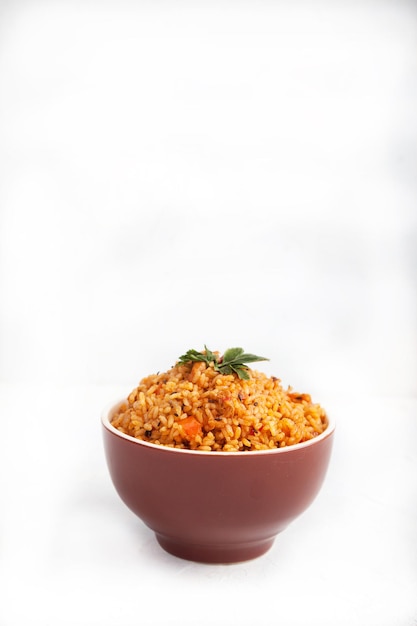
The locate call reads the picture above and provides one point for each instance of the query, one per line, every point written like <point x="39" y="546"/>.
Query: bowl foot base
<point x="215" y="553"/>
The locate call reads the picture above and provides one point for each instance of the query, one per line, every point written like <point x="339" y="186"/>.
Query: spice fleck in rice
<point x="195" y="407"/>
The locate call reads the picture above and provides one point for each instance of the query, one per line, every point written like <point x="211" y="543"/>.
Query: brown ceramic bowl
<point x="215" y="507"/>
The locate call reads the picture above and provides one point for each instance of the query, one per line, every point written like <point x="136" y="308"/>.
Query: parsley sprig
<point x="233" y="360"/>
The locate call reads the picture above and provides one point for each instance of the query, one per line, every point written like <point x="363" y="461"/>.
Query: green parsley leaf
<point x="231" y="354"/>
<point x="233" y="360"/>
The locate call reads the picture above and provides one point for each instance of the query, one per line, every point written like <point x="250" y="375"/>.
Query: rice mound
<point x="192" y="406"/>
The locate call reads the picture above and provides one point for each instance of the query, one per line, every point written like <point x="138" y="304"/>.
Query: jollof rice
<point x="192" y="406"/>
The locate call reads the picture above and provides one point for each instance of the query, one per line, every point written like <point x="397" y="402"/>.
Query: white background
<point x="174" y="174"/>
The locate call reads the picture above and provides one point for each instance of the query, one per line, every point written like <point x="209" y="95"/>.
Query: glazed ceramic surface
<point x="215" y="507"/>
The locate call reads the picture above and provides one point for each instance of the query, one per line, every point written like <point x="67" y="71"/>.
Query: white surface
<point x="72" y="553"/>
<point x="174" y="174"/>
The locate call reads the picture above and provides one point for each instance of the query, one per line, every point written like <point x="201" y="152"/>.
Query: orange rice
<point x="193" y="406"/>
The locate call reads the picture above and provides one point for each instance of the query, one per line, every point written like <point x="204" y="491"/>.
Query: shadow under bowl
<point x="215" y="507"/>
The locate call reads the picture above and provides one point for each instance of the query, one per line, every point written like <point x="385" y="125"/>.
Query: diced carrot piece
<point x="191" y="426"/>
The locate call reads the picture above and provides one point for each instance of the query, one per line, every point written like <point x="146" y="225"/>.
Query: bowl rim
<point x="111" y="407"/>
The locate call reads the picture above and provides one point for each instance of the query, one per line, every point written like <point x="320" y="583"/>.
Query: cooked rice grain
<point x="194" y="407"/>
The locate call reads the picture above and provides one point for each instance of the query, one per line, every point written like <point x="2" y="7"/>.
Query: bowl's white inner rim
<point x="105" y="418"/>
